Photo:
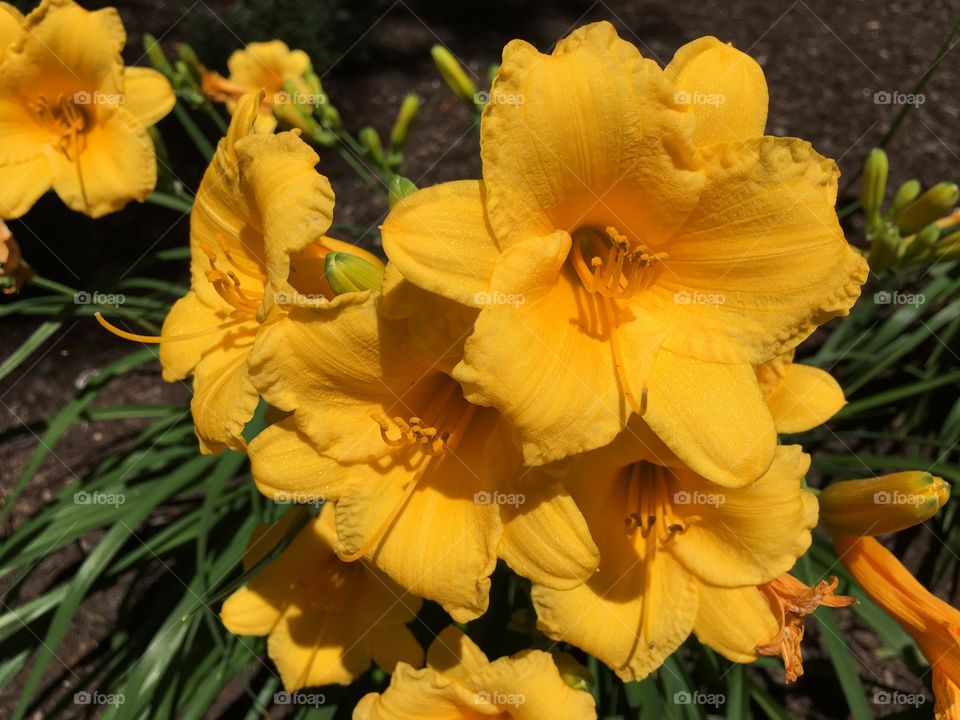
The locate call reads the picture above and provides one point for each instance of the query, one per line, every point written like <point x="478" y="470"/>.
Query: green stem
<point x="216" y="117"/>
<point x="169" y="201"/>
<point x="60" y="289"/>
<point x="198" y="138"/>
<point x="372" y="181"/>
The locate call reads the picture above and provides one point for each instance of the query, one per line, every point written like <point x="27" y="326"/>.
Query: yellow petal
<point x="439" y="239"/>
<point x="291" y="204"/>
<point x="734" y="621"/>
<point x="544" y="364"/>
<point x="455" y="655"/>
<point x="313" y="648"/>
<point x="724" y="87"/>
<point x="545" y="537"/>
<point x="21" y="184"/>
<point x="418" y="694"/>
<point x="246" y="612"/>
<point x="68" y="49"/>
<point x="190" y="315"/>
<point x="224" y="399"/>
<point x="805" y="398"/>
<point x="442" y="544"/>
<point x="712" y="417"/>
<point x="11" y="25"/>
<point x="589" y="135"/>
<point x="118" y="165"/>
<point x="287" y="467"/>
<point x="147" y="94"/>
<point x="749" y="535"/>
<point x="947" y="695"/>
<point x="762" y="261"/>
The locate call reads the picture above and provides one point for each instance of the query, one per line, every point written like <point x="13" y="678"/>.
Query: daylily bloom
<point x="933" y="624"/>
<point x="880" y="505"/>
<point x="427" y="485"/>
<point x="72" y="116"/>
<point x="800" y="397"/>
<point x="14" y="272"/>
<point x="672" y="546"/>
<point x="326" y="620"/>
<point x="636" y="245"/>
<point x="257" y="240"/>
<point x="460" y="682"/>
<point x="267" y="65"/>
<point x="744" y="623"/>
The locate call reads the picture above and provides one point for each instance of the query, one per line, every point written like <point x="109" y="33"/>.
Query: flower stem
<point x="169" y="201"/>
<point x="198" y="138"/>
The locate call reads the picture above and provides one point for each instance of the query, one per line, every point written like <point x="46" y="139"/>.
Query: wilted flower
<point x="14" y="272"/>
<point x="885" y="504"/>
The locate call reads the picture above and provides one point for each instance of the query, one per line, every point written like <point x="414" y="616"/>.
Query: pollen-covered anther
<point x="67" y="119"/>
<point x="428" y="439"/>
<point x="616" y="269"/>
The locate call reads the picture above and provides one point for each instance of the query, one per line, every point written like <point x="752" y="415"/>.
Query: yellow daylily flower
<point x="460" y="683"/>
<point x="427" y="485"/>
<point x="884" y="504"/>
<point x="72" y="116"/>
<point x="800" y="397"/>
<point x="933" y="623"/>
<point x="267" y="65"/>
<point x="325" y="619"/>
<point x="14" y="272"/>
<point x="670" y="542"/>
<point x="636" y="245"/>
<point x="257" y="241"/>
<point x="767" y="619"/>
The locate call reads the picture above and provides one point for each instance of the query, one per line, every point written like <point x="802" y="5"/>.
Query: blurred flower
<point x="800" y="397"/>
<point x="460" y="682"/>
<point x="74" y="117"/>
<point x="260" y="65"/>
<point x="661" y="244"/>
<point x="673" y="546"/>
<point x="326" y="619"/>
<point x="426" y="485"/>
<point x="14" y="272"/>
<point x="933" y="624"/>
<point x="256" y="242"/>
<point x="880" y="505"/>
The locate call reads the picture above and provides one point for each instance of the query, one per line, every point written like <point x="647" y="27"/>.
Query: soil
<point x="825" y="61"/>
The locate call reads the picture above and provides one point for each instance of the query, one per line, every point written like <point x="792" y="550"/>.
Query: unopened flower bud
<point x="350" y="273"/>
<point x="886" y="504"/>
<point x="156" y="55"/>
<point x="905" y="195"/>
<point x="886" y="247"/>
<point x="574" y="674"/>
<point x="454" y="74"/>
<point x="405" y="117"/>
<point x="920" y="244"/>
<point x="948" y="247"/>
<point x="192" y="64"/>
<point x="874" y="187"/>
<point x="935" y="203"/>
<point x="399" y="188"/>
<point x="370" y="139"/>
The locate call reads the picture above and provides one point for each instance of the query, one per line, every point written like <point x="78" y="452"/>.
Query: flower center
<point x="653" y="526"/>
<point x="609" y="265"/>
<point x="67" y="120"/>
<point x="328" y="589"/>
<point x="227" y="285"/>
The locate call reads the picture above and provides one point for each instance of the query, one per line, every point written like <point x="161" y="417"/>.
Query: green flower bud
<point x="887" y="504"/>
<point x="370" y="140"/>
<point x="886" y="246"/>
<point x="401" y="126"/>
<point x="920" y="244"/>
<point x="398" y="189"/>
<point x="929" y="207"/>
<point x="948" y="247"/>
<point x="874" y="187"/>
<point x="905" y="195"/>
<point x="349" y="273"/>
<point x="156" y="55"/>
<point x="192" y="64"/>
<point x="454" y="74"/>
